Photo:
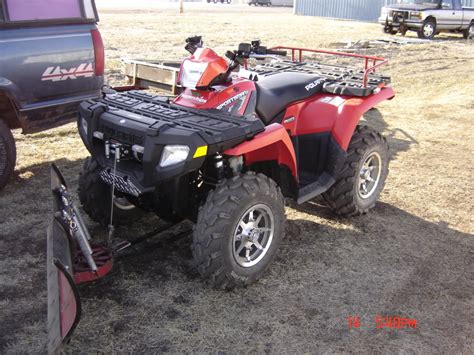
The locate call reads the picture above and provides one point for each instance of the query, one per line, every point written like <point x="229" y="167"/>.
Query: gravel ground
<point x="412" y="256"/>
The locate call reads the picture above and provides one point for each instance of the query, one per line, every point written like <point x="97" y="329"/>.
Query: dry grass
<point x="412" y="256"/>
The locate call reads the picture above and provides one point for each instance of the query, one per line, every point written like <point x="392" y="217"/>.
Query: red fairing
<point x="272" y="144"/>
<point x="329" y="113"/>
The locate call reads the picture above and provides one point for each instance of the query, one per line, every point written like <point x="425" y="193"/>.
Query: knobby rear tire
<point x="343" y="197"/>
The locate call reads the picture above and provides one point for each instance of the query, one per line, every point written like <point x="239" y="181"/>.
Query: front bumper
<point x="407" y="23"/>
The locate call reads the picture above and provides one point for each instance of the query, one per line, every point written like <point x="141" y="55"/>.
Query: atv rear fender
<point x="339" y="115"/>
<point x="351" y="113"/>
<point x="273" y="144"/>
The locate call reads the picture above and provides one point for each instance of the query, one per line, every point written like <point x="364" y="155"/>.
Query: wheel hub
<point x="428" y="30"/>
<point x="253" y="235"/>
<point x="369" y="175"/>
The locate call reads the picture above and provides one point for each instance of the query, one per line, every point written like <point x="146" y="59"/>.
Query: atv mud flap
<point x="71" y="259"/>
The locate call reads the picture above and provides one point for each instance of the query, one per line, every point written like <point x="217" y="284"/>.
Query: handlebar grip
<point x="273" y="52"/>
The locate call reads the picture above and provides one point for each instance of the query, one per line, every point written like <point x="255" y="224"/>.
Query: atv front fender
<point x="273" y="144"/>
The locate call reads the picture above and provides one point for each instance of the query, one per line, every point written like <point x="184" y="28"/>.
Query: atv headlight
<point x="191" y="73"/>
<point x="174" y="154"/>
<point x="415" y="14"/>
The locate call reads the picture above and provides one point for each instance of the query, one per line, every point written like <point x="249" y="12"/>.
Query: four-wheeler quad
<point x="224" y="154"/>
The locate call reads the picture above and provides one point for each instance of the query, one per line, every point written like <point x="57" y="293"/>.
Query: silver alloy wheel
<point x="428" y="29"/>
<point x="471" y="32"/>
<point x="123" y="203"/>
<point x="253" y="235"/>
<point x="369" y="175"/>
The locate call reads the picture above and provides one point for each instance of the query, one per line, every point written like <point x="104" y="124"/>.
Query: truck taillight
<point x="98" y="52"/>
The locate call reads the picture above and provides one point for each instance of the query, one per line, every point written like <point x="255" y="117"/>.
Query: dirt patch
<point x="412" y="256"/>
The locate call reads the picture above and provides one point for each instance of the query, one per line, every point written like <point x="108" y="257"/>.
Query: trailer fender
<point x="273" y="144"/>
<point x="350" y="113"/>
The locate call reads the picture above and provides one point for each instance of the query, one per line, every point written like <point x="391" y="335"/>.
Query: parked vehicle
<point x="260" y="2"/>
<point x="428" y="18"/>
<point x="51" y="60"/>
<point x="221" y="1"/>
<point x="224" y="154"/>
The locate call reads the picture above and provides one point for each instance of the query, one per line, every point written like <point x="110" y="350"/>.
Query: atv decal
<point x="85" y="70"/>
<point x="333" y="100"/>
<point x="194" y="98"/>
<point x="233" y="99"/>
<point x="313" y="84"/>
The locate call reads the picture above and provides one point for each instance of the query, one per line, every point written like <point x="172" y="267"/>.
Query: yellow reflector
<point x="200" y="152"/>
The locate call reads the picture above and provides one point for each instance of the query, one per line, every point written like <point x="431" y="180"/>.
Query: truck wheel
<point x="428" y="30"/>
<point x="95" y="197"/>
<point x="363" y="175"/>
<point x="469" y="32"/>
<point x="239" y="230"/>
<point x="7" y="154"/>
<point x="389" y="30"/>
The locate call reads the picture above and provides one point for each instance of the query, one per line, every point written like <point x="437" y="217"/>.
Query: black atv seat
<point x="277" y="91"/>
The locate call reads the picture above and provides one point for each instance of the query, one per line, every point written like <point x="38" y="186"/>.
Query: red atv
<point x="224" y="154"/>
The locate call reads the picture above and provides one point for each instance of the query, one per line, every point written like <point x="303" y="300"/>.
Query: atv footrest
<point x="316" y="188"/>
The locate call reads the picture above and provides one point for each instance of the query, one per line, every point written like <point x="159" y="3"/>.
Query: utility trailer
<point x="158" y="75"/>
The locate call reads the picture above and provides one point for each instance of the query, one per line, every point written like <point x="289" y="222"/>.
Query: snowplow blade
<point x="72" y="258"/>
<point x="64" y="305"/>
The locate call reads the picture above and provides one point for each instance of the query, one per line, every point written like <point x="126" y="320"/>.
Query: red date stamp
<point x="381" y="322"/>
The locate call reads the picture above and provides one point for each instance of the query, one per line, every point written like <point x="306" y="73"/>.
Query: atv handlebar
<point x="280" y="53"/>
<point x="265" y="56"/>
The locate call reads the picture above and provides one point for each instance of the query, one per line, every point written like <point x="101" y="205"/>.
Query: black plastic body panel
<point x="326" y="156"/>
<point x="139" y="118"/>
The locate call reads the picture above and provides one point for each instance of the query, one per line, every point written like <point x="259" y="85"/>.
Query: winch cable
<point x="111" y="224"/>
<point x="128" y="244"/>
